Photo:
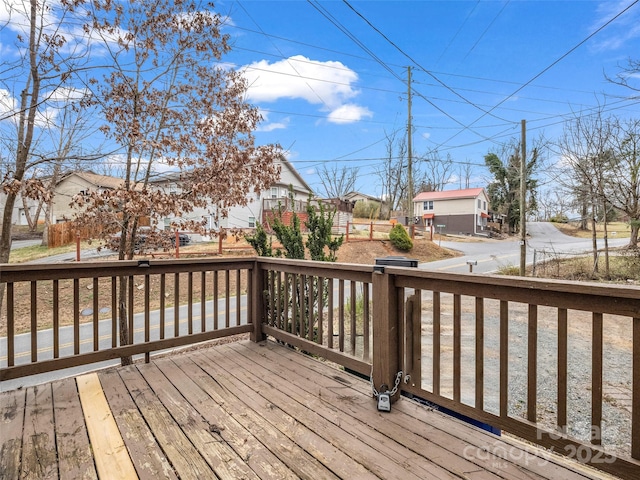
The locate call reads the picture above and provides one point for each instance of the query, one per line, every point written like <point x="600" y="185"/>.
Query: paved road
<point x="492" y="255"/>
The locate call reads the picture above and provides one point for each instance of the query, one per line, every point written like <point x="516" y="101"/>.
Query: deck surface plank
<point x="223" y="460"/>
<point x="148" y="458"/>
<point x="355" y="412"/>
<point x="38" y="435"/>
<point x="336" y="402"/>
<point x="299" y="461"/>
<point x="247" y="410"/>
<point x="323" y="450"/>
<point x="75" y="457"/>
<point x="12" y="409"/>
<point x="258" y="456"/>
<point x="186" y="460"/>
<point x="444" y="430"/>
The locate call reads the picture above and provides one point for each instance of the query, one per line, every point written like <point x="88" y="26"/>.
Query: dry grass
<point x="614" y="229"/>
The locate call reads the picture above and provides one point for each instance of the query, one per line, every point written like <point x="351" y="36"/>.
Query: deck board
<point x="247" y="410"/>
<point x="74" y="451"/>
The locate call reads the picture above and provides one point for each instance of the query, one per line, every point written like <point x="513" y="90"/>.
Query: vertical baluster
<point x="479" y="353"/>
<point x="279" y="321"/>
<point x="341" y="315"/>
<point x="596" y="379"/>
<point x="366" y="322"/>
<point x="96" y="310"/>
<point x="176" y="305"/>
<point x="320" y="337"/>
<point x="76" y="316"/>
<point x="635" y="399"/>
<point x="239" y="297"/>
<point x="34" y="321"/>
<point x="250" y="286"/>
<point x="56" y="318"/>
<point x="286" y="325"/>
<point x="303" y="303"/>
<point x="532" y="364"/>
<point x="190" y="302"/>
<point x="330" y="313"/>
<point x="354" y="304"/>
<point x="147" y="313"/>
<point x="227" y="299"/>
<point x="163" y="285"/>
<point x="294" y="303"/>
<point x="114" y="312"/>
<point x="10" y="326"/>
<point x="436" y="343"/>
<point x="562" y="369"/>
<point x="504" y="358"/>
<point x="130" y="314"/>
<point x="203" y="301"/>
<point x="310" y="302"/>
<point x="457" y="346"/>
<point x="216" y="310"/>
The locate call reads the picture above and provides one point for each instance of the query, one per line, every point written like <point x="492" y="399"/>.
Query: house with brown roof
<point x="453" y="211"/>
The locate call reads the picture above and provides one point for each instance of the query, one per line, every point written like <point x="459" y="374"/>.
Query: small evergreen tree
<point x="400" y="238"/>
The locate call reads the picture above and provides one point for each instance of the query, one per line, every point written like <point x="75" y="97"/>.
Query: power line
<point x="553" y="64"/>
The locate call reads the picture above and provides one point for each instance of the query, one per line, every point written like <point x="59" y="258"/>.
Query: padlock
<point x="384" y="402"/>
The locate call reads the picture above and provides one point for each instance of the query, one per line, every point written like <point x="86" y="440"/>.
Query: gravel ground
<point x="616" y="425"/>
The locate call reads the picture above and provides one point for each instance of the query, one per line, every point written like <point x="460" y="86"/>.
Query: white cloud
<point x="270" y="127"/>
<point x="326" y="83"/>
<point x="624" y="29"/>
<point x="349" y="113"/>
<point x="426" y="135"/>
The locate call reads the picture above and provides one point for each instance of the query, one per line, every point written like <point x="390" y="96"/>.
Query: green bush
<point x="400" y="238"/>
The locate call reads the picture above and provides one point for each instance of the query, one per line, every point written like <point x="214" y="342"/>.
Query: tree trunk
<point x="633" y="238"/>
<point x="594" y="238"/>
<point x="123" y="319"/>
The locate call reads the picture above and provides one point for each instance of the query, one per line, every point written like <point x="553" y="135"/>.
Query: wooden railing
<point x="532" y="357"/>
<point x="210" y="295"/>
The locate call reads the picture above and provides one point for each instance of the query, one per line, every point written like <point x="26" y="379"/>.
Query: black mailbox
<point x="396" y="261"/>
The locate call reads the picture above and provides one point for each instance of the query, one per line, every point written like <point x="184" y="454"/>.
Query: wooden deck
<point x="246" y="410"/>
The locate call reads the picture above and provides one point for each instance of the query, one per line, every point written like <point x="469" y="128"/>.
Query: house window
<point x="252" y="222"/>
<point x="479" y="203"/>
<point x="274" y="192"/>
<point x="484" y="205"/>
<point x="428" y="205"/>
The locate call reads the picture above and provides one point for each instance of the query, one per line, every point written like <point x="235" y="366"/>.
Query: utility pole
<point x="409" y="155"/>
<point x="523" y="200"/>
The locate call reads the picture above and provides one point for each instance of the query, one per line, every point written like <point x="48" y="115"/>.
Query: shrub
<point x="400" y="238"/>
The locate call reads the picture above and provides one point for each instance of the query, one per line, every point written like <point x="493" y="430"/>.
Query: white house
<point x="453" y="211"/>
<point x="258" y="206"/>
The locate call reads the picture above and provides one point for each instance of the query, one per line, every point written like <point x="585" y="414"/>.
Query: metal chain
<point x="395" y="386"/>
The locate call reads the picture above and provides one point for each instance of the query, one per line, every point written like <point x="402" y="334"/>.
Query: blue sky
<point x="330" y="77"/>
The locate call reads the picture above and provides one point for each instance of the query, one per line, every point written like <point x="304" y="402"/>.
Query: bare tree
<point x="338" y="181"/>
<point x="626" y="74"/>
<point x="169" y="101"/>
<point x="464" y="173"/>
<point x="586" y="150"/>
<point x="623" y="182"/>
<point x="436" y="170"/>
<point x="42" y="69"/>
<point x="392" y="173"/>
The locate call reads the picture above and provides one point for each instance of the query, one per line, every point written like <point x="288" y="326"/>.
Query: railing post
<point x="386" y="331"/>
<point x="347" y="236"/>
<point x="257" y="302"/>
